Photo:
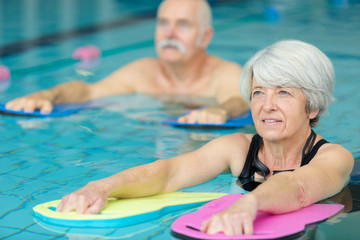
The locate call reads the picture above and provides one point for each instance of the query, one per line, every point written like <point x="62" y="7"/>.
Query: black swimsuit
<point x="253" y="164"/>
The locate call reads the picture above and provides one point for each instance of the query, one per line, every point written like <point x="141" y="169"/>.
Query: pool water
<point x="43" y="159"/>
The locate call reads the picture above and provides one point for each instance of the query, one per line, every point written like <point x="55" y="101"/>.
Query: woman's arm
<point x="323" y="177"/>
<point x="157" y="177"/>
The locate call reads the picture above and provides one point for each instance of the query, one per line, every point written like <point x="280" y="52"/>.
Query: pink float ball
<point x="86" y="53"/>
<point x="4" y="73"/>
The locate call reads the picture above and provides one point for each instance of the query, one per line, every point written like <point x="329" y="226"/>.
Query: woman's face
<point x="279" y="112"/>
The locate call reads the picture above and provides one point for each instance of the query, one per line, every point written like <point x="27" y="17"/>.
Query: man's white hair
<point x="204" y="14"/>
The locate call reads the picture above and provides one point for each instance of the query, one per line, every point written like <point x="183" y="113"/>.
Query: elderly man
<point x="183" y="68"/>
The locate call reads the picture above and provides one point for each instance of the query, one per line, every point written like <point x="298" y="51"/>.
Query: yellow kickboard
<point x="125" y="212"/>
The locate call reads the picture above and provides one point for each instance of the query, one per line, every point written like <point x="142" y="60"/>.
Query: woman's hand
<point x="236" y="220"/>
<point x="90" y="199"/>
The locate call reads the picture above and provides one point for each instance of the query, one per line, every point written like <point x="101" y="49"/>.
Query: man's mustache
<point x="171" y="43"/>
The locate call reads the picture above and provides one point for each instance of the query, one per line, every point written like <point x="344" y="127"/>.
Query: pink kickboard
<point x="87" y="53"/>
<point x="266" y="225"/>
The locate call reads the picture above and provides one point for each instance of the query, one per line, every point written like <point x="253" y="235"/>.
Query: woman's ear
<point x="313" y="114"/>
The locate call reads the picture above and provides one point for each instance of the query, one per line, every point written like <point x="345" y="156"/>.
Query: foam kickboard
<point x="235" y="122"/>
<point x="60" y="110"/>
<point x="266" y="225"/>
<point x="124" y="212"/>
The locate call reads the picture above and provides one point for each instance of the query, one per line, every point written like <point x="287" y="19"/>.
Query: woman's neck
<point x="285" y="154"/>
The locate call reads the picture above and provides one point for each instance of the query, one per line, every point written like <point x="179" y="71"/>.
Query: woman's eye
<point x="256" y="93"/>
<point x="284" y="93"/>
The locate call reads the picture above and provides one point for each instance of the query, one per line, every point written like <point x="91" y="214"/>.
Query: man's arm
<point x="119" y="82"/>
<point x="230" y="101"/>
<point x="228" y="92"/>
<point x="217" y="114"/>
<point x="75" y="91"/>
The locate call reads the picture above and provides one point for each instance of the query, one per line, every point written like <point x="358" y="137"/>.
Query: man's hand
<point x="207" y="115"/>
<point x="31" y="103"/>
<point x="90" y="199"/>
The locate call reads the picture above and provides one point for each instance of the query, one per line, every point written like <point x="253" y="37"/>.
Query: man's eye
<point x="183" y="24"/>
<point x="162" y="23"/>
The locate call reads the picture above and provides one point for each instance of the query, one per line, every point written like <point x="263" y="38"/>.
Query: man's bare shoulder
<point x="147" y="63"/>
<point x="224" y="70"/>
<point x="144" y="68"/>
<point x="221" y="65"/>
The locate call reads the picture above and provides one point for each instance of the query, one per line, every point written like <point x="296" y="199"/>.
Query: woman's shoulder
<point x="331" y="147"/>
<point x="237" y="144"/>
<point x="332" y="152"/>
<point x="238" y="138"/>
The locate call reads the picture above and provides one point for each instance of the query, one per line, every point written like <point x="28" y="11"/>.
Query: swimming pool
<point x="44" y="159"/>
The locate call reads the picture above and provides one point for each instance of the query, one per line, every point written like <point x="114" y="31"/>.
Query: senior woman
<point x="289" y="86"/>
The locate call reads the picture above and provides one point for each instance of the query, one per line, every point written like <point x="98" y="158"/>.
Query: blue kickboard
<point x="60" y="110"/>
<point x="235" y="122"/>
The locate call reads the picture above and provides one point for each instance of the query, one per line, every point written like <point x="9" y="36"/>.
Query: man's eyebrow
<point x="183" y="20"/>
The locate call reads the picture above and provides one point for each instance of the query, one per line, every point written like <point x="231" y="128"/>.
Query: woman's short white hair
<point x="292" y="63"/>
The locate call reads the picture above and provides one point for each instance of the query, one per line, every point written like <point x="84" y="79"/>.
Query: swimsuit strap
<point x="308" y="145"/>
<point x="313" y="152"/>
<point x="308" y="153"/>
<point x="253" y="164"/>
<point x="259" y="166"/>
<point x="248" y="170"/>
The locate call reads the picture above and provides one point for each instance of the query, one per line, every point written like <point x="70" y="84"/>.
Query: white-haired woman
<point x="289" y="85"/>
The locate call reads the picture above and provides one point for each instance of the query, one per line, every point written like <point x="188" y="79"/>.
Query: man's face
<point x="178" y="35"/>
